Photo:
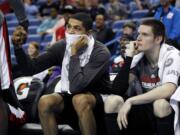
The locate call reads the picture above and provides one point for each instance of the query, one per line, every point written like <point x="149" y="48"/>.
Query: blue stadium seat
<point x="13" y="23"/>
<point x="145" y="18"/>
<point x="25" y="47"/>
<point x="11" y="49"/>
<point x="47" y="38"/>
<point x="10" y="17"/>
<point x="117" y="25"/>
<point x="34" y="22"/>
<point x="44" y="44"/>
<point x="139" y="13"/>
<point x="42" y="48"/>
<point x="11" y="30"/>
<point x="41" y="2"/>
<point x="108" y="23"/>
<point x="32" y="29"/>
<point x="13" y="60"/>
<point x="138" y="21"/>
<point x="126" y="1"/>
<point x="36" y="38"/>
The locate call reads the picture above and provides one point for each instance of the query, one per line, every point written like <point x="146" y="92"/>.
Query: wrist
<point x="130" y="101"/>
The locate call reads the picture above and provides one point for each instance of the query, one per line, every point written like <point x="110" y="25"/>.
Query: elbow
<point x="170" y="89"/>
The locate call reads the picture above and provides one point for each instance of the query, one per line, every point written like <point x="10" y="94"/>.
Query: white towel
<point x="63" y="84"/>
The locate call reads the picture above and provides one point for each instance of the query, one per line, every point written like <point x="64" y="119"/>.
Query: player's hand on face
<point x="82" y="42"/>
<point x="130" y="49"/>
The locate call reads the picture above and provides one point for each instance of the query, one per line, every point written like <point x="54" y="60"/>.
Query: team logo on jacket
<point x="22" y="87"/>
<point x="169" y="62"/>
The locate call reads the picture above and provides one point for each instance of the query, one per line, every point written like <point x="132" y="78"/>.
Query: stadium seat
<point x="126" y="1"/>
<point x="138" y="21"/>
<point x="32" y="29"/>
<point x="13" y="23"/>
<point x="47" y="38"/>
<point x="40" y="2"/>
<point x="36" y="38"/>
<point x="34" y="22"/>
<point x="25" y="46"/>
<point x="13" y="60"/>
<point x="145" y="18"/>
<point x="10" y="17"/>
<point x="117" y="25"/>
<point x="11" y="30"/>
<point x="139" y="13"/>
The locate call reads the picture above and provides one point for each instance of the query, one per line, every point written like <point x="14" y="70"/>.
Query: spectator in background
<point x="82" y="3"/>
<point x="80" y="6"/>
<point x="150" y="5"/>
<point x="90" y="7"/>
<point x="101" y="32"/>
<point x="129" y="30"/>
<point x="45" y="8"/>
<point x="90" y="3"/>
<point x="173" y="2"/>
<point x="116" y="10"/>
<point x="128" y="34"/>
<point x="170" y="17"/>
<point x="30" y="8"/>
<point x="67" y="2"/>
<point x="58" y="31"/>
<point x="177" y="4"/>
<point x="33" y="50"/>
<point x="146" y="4"/>
<point x="96" y="8"/>
<point x="48" y="23"/>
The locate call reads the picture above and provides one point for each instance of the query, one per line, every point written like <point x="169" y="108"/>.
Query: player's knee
<point x="161" y="108"/>
<point x="113" y="104"/>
